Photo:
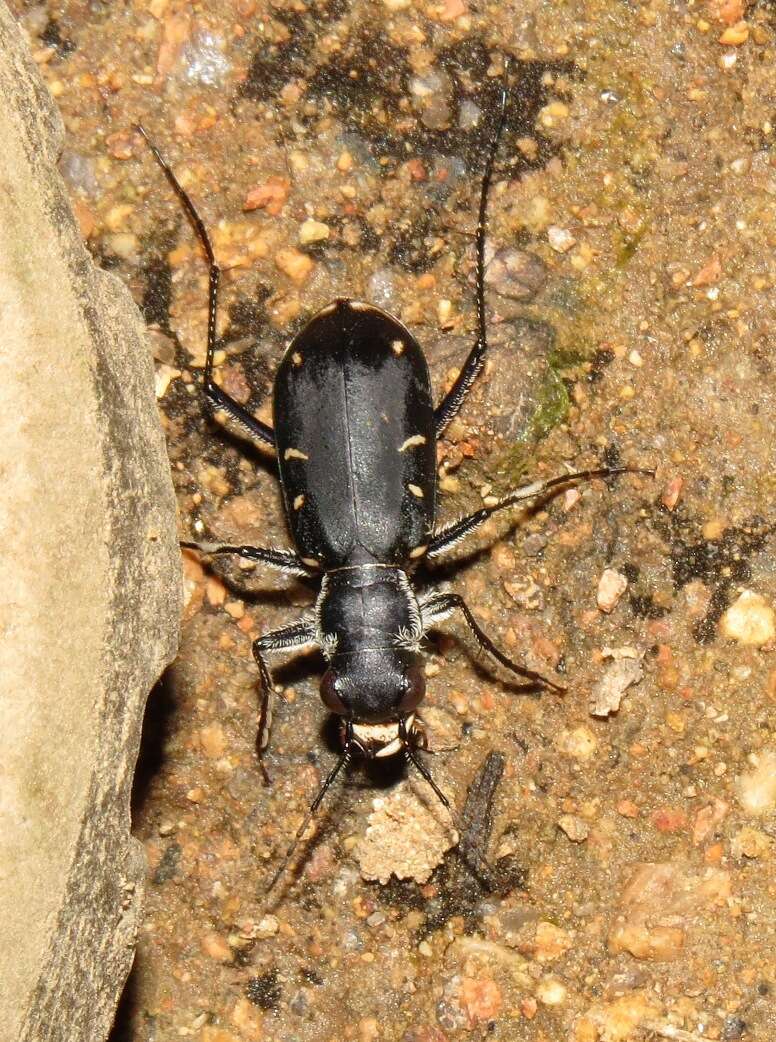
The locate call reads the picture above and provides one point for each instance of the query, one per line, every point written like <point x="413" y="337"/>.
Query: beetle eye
<point x="330" y="694"/>
<point x="414" y="689"/>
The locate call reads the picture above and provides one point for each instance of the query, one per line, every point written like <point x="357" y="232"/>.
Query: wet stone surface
<point x="637" y="175"/>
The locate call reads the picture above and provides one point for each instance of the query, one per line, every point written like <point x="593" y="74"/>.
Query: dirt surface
<point x="334" y="149"/>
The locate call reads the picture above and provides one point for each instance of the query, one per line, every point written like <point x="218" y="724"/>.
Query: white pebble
<point x="749" y="620"/>
<point x="611" y="586"/>
<point x="560" y="239"/>
<point x="757" y="789"/>
<point x="551" y="992"/>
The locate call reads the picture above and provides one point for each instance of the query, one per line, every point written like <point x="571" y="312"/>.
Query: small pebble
<point x="216" y="947"/>
<point x="579" y="743"/>
<point x="248" y="1021"/>
<point x="534" y="544"/>
<point x="672" y="492"/>
<point x="560" y="239"/>
<point x="480" y="998"/>
<point x="294" y="263"/>
<point x="735" y="35"/>
<point x="551" y="992"/>
<point x="213" y="741"/>
<point x="270" y="196"/>
<point x="611" y="586"/>
<point x="313" y="231"/>
<point x="550" y="942"/>
<point x="268" y="926"/>
<point x="607" y="693"/>
<point x="749" y="620"/>
<point x="575" y="828"/>
<point x="750" y="843"/>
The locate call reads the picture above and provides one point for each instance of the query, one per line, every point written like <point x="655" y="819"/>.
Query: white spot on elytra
<point x="397" y="346"/>
<point x="418" y="551"/>
<point x="416" y="491"/>
<point x="295" y="454"/>
<point x="310" y="562"/>
<point x="359" y="305"/>
<point x="299" y="502"/>
<point x="410" y="443"/>
<point x="296" y="358"/>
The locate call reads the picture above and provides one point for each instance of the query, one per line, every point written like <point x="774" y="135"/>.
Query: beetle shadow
<point x="218" y="566"/>
<point x="157" y="729"/>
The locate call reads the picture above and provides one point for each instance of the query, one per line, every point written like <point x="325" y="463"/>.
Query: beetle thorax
<point x="370" y="627"/>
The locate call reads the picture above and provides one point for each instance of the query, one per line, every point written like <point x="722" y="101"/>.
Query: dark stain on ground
<point x="273" y="65"/>
<point x="52" y="37"/>
<point x="157" y="292"/>
<point x="168" y="864"/>
<point x="720" y="563"/>
<point x="264" y="991"/>
<point x="367" y="85"/>
<point x="643" y="605"/>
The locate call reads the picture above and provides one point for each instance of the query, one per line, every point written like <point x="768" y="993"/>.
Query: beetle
<point x="355" y="430"/>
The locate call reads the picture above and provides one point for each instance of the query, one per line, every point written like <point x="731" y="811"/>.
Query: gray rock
<point x="90" y="589"/>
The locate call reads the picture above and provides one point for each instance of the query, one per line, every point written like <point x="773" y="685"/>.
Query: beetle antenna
<point x="409" y="752"/>
<point x="482" y="215"/>
<point x="343" y="761"/>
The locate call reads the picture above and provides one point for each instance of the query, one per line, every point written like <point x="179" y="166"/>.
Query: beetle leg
<point x="294" y="636"/>
<point x="216" y="398"/>
<point x="438" y="606"/>
<point x="283" y="560"/>
<point x="455" y="397"/>
<point x="450" y="534"/>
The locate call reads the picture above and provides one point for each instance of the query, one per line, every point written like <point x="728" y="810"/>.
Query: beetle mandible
<point x="355" y="432"/>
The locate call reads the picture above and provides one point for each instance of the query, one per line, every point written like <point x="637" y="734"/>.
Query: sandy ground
<point x="628" y="825"/>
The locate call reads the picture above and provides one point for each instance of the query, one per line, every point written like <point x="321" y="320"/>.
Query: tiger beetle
<point x="355" y="433"/>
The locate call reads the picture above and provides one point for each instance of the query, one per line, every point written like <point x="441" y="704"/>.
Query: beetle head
<point x="375" y="690"/>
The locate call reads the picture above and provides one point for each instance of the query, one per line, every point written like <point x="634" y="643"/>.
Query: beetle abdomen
<point x="354" y="429"/>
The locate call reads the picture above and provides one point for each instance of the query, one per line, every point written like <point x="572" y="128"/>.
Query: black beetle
<point x="355" y="432"/>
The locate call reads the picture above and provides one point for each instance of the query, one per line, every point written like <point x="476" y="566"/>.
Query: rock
<point x="519" y="380"/>
<point x="550" y="942"/>
<point x="407" y="835"/>
<point x="656" y="943"/>
<point x="560" y="239"/>
<point x="660" y="903"/>
<point x="480" y="998"/>
<point x="294" y="263"/>
<point x="749" y="620"/>
<point x="672" y="491"/>
<point x="551" y="992"/>
<point x="91" y="592"/>
<point x="619" y="675"/>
